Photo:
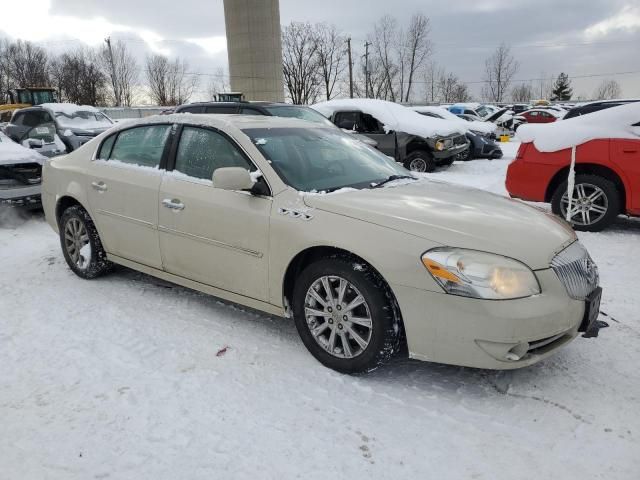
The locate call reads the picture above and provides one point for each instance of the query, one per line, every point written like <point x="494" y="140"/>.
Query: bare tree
<point x="123" y="73"/>
<point x="608" y="90"/>
<point x="300" y="62"/>
<point x="331" y="56"/>
<point x="26" y="65"/>
<point x="500" y="68"/>
<point x="170" y="82"/>
<point x="4" y="68"/>
<point x="451" y="89"/>
<point x="432" y="74"/>
<point x="78" y="77"/>
<point x="413" y="50"/>
<point x="384" y="38"/>
<point x="218" y="83"/>
<point x="522" y="93"/>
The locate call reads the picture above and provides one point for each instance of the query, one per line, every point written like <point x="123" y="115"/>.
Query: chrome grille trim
<point x="576" y="270"/>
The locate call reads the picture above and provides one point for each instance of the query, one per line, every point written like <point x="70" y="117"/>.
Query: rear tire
<point x="81" y="245"/>
<point x="596" y="202"/>
<point x="420" y="161"/>
<point x="365" y="336"/>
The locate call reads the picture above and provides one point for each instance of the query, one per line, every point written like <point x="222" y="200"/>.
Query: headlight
<point x="439" y="145"/>
<point x="470" y="273"/>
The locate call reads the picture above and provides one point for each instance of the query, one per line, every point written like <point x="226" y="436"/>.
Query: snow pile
<point x="394" y="117"/>
<point x="12" y="153"/>
<point x="70" y="116"/>
<point x="476" y="126"/>
<point x="616" y="122"/>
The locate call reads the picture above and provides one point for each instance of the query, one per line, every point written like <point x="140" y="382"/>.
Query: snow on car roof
<point x="12" y="153"/>
<point x="68" y="108"/>
<point x="239" y="121"/>
<point x="616" y="122"/>
<point x="483" y="127"/>
<point x="394" y="117"/>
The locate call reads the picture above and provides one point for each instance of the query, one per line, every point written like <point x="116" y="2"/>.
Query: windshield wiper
<point x="392" y="178"/>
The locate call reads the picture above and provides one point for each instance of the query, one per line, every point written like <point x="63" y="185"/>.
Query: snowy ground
<point x="120" y="378"/>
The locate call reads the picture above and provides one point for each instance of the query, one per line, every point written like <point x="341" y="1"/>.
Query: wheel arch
<point x="63" y="203"/>
<point x="590" y="169"/>
<point x="311" y="254"/>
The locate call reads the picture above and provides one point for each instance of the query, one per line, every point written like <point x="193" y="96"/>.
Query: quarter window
<point x="141" y="145"/>
<point x="201" y="152"/>
<point x="105" y="149"/>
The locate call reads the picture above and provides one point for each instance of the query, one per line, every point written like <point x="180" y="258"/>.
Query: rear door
<point x="213" y="236"/>
<point x="124" y="182"/>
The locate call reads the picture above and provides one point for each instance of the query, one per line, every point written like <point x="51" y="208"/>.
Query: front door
<point x="366" y="124"/>
<point x="625" y="153"/>
<point x="124" y="182"/>
<point x="213" y="236"/>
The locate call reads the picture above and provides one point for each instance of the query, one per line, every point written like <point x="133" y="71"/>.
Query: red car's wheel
<point x="595" y="202"/>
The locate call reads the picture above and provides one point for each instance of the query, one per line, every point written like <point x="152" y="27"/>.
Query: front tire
<point x="595" y="202"/>
<point x="345" y="315"/>
<point x="81" y="245"/>
<point x="420" y="161"/>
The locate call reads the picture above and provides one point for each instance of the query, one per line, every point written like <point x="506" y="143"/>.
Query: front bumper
<point x="28" y="196"/>
<point x="451" y="152"/>
<point x="500" y="335"/>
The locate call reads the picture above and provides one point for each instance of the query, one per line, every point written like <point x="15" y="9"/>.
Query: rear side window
<point x="105" y="149"/>
<point x="195" y="109"/>
<point x="141" y="145"/>
<point x="201" y="152"/>
<point x="221" y="109"/>
<point x="251" y="111"/>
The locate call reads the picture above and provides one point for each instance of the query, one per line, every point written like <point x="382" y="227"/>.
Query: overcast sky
<point x="579" y="37"/>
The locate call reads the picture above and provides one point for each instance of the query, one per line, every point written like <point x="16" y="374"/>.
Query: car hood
<point x="455" y="216"/>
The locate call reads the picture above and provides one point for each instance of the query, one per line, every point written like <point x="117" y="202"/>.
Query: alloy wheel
<point x="76" y="242"/>
<point x="338" y="317"/>
<point x="589" y="204"/>
<point x="418" y="165"/>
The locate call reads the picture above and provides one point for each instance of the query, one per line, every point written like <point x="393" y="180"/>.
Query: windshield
<point x="303" y="113"/>
<point x="83" y="119"/>
<point x="321" y="159"/>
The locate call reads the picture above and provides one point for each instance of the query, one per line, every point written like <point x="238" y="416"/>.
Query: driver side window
<point x="141" y="145"/>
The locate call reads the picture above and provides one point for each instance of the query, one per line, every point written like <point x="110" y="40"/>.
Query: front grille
<point x="20" y="175"/>
<point x="460" y="140"/>
<point x="576" y="270"/>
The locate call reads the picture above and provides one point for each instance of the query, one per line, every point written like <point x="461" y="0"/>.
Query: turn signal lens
<point x="439" y="271"/>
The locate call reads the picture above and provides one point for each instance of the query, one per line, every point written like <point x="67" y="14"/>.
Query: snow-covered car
<point x="75" y="125"/>
<point x="299" y="219"/>
<point x="603" y="151"/>
<point x="420" y="143"/>
<point x="481" y="135"/>
<point x="20" y="174"/>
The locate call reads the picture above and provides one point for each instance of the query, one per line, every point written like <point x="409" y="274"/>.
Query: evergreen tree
<point x="562" y="88"/>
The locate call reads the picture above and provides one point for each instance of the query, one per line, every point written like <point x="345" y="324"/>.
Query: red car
<point x="607" y="180"/>
<point x="539" y="115"/>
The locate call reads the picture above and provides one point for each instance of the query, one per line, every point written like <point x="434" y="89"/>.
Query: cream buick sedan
<point x="297" y="219"/>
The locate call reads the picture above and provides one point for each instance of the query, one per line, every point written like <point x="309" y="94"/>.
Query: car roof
<point x="226" y="120"/>
<point x="235" y="104"/>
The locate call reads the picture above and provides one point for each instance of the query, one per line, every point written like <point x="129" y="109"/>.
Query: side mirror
<point x="34" y="143"/>
<point x="232" y="178"/>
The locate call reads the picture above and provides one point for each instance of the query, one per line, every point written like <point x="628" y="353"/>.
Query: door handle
<point x="173" y="204"/>
<point x="99" y="186"/>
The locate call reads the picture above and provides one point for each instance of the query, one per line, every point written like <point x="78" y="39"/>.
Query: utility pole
<point x="350" y="68"/>
<point x="366" y="68"/>
<point x="114" y="79"/>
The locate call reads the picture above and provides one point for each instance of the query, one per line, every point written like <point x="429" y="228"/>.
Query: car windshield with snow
<point x="253" y="210"/>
